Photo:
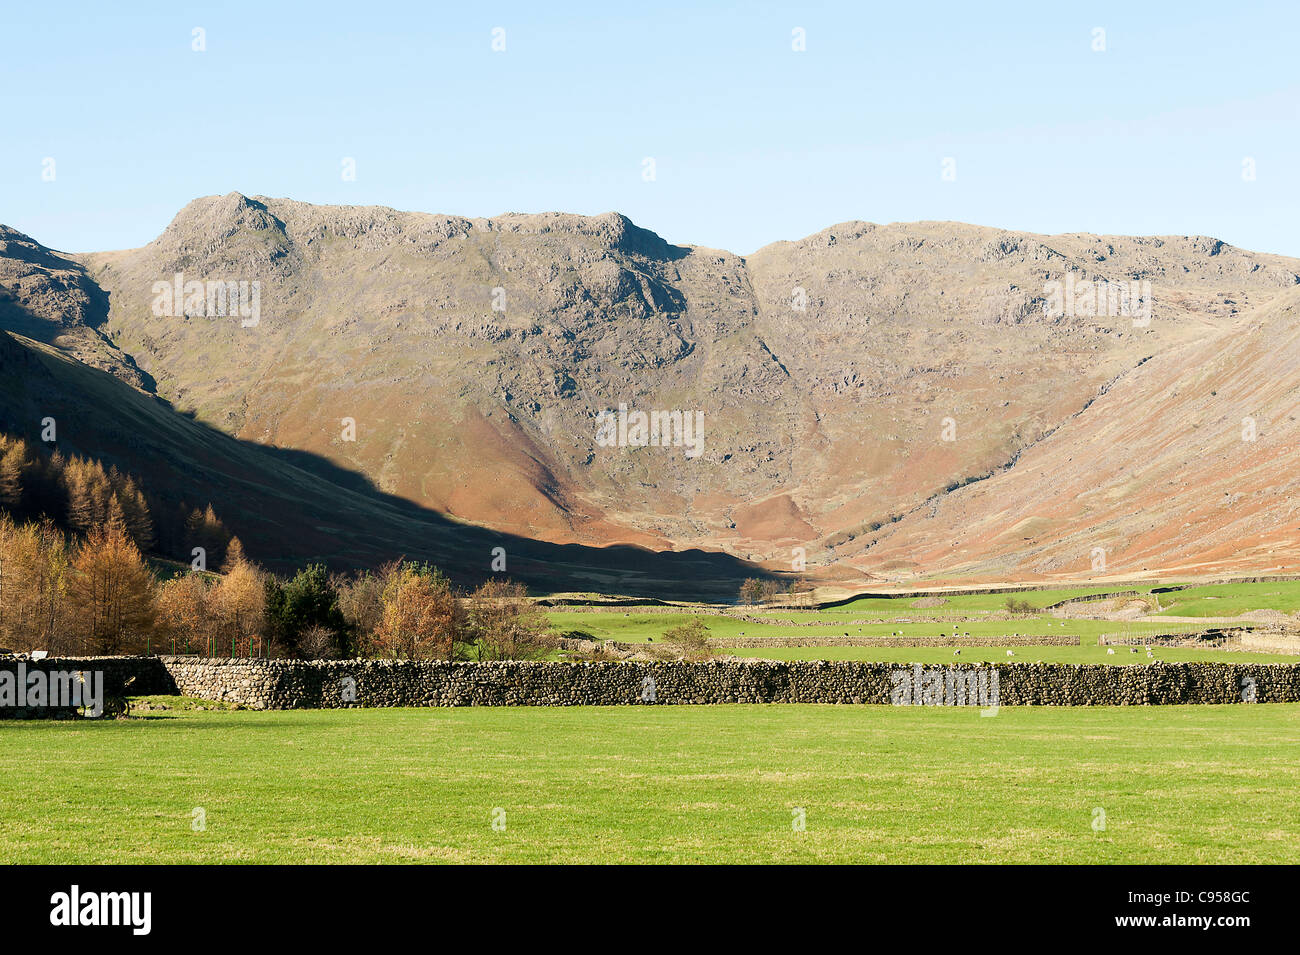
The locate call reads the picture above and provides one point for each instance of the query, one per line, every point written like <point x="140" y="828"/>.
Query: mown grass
<point x="659" y="784"/>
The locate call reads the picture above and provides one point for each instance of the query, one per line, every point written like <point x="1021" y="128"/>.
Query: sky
<point x="1177" y="118"/>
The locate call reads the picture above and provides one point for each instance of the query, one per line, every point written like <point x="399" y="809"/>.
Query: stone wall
<point x="1002" y="640"/>
<point x="1207" y="639"/>
<point x="274" y="684"/>
<point x="283" y="684"/>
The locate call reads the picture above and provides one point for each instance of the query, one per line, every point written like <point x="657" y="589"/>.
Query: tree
<point x="308" y="599"/>
<point x="361" y="600"/>
<point x="751" y="592"/>
<point x="234" y="555"/>
<point x="204" y="529"/>
<point x="185" y="613"/>
<point x="112" y="592"/>
<point x="505" y="625"/>
<point x="14" y="464"/>
<point x="135" y="510"/>
<point x="687" y="641"/>
<point x="422" y="618"/>
<point x="317" y="642"/>
<point x="33" y="587"/>
<point x="1020" y="608"/>
<point x="239" y="607"/>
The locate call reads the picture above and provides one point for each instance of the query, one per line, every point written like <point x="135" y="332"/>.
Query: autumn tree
<point x="14" y="463"/>
<point x="751" y="592"/>
<point x="185" y="614"/>
<point x="361" y="600"/>
<point x="112" y="591"/>
<point x="135" y="511"/>
<point x="238" y="603"/>
<point x="234" y="555"/>
<point x="204" y="529"/>
<point x="505" y="625"/>
<point x="422" y="618"/>
<point x="33" y="587"/>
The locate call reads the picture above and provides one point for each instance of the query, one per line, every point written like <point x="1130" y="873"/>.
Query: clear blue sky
<point x="752" y="141"/>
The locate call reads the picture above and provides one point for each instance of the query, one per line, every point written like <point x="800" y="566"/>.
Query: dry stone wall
<point x="1007" y="640"/>
<point x="274" y="684"/>
<point x="283" y="684"/>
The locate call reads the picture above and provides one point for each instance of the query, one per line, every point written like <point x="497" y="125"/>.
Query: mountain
<point x="1189" y="463"/>
<point x="879" y="396"/>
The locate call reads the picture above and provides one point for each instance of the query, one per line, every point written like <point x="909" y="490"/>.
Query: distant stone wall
<point x="1001" y="640"/>
<point x="1093" y="598"/>
<point x="275" y="684"/>
<point x="1209" y="638"/>
<point x="284" y="684"/>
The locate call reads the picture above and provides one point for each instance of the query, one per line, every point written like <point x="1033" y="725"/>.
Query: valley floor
<point x="1204" y="784"/>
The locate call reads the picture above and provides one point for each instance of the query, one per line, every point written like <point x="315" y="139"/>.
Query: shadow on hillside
<point x="291" y="507"/>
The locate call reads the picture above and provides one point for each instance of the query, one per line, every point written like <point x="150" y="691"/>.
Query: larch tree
<point x="112" y="590"/>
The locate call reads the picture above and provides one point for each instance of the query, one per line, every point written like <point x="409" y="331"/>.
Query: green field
<point x="974" y="610"/>
<point x="1227" y="600"/>
<point x="634" y="627"/>
<point x="1206" y="784"/>
<point x="939" y="655"/>
<point x="957" y="603"/>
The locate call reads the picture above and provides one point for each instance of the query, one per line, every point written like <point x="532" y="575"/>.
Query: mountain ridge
<point x="821" y="420"/>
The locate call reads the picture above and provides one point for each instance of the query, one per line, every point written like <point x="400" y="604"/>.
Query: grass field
<point x="1226" y="600"/>
<point x="638" y="626"/>
<point x="634" y="627"/>
<point x="658" y="784"/>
